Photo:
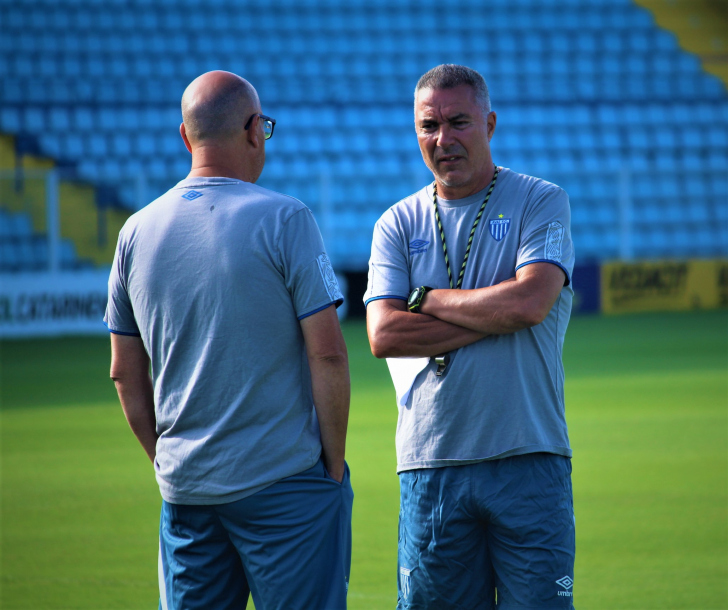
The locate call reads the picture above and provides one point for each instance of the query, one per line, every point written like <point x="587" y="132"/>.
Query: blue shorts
<point x="495" y="534"/>
<point x="289" y="544"/>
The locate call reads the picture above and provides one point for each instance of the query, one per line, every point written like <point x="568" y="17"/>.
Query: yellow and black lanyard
<point x="443" y="359"/>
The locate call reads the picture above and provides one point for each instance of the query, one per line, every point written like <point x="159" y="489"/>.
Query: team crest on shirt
<point x="499" y="227"/>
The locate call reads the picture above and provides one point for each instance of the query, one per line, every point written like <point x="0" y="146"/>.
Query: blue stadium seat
<point x="6" y="226"/>
<point x="157" y="170"/>
<point x="718" y="187"/>
<point x="88" y="169"/>
<point x="695" y="188"/>
<point x="67" y="255"/>
<point x="39" y="252"/>
<point x="72" y="146"/>
<point x="20" y="225"/>
<point x="96" y="145"/>
<point x="33" y="120"/>
<point x="10" y="120"/>
<point x="9" y="257"/>
<point x="638" y="139"/>
<point x="121" y="145"/>
<point x="50" y="144"/>
<point x="717" y="137"/>
<point x="59" y="119"/>
<point x="717" y="159"/>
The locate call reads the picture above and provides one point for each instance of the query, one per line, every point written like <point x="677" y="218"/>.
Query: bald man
<point x="224" y="288"/>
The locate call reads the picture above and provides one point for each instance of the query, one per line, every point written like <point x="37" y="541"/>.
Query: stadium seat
<point x="10" y="120"/>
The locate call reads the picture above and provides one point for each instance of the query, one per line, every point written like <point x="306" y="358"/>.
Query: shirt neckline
<point x="203" y="181"/>
<point x="465" y="201"/>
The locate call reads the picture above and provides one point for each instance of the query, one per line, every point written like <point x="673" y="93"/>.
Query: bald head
<point x="216" y="105"/>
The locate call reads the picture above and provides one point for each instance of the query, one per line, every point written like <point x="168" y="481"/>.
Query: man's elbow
<point x="335" y="360"/>
<point x="532" y="314"/>
<point x="126" y="375"/>
<point x="332" y="355"/>
<point x="378" y="350"/>
<point x="379" y="345"/>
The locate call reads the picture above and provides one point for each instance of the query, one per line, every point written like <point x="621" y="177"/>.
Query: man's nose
<point x="445" y="136"/>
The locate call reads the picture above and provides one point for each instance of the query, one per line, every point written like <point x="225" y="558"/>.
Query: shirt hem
<point x="212" y="500"/>
<point x="442" y="463"/>
<point x="204" y="500"/>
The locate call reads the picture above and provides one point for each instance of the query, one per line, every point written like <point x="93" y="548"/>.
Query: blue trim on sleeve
<point x="118" y="332"/>
<point x="310" y="313"/>
<point x="545" y="260"/>
<point x="387" y="296"/>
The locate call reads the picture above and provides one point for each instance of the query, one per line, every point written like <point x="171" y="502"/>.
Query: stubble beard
<point x="452" y="182"/>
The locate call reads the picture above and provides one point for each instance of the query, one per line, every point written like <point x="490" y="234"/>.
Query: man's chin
<point x="453" y="179"/>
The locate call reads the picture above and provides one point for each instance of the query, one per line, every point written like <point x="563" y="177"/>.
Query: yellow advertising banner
<point x="664" y="286"/>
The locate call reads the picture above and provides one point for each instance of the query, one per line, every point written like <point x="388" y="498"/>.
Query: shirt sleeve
<point x="309" y="276"/>
<point x="119" y="317"/>
<point x="388" y="264"/>
<point x="547" y="232"/>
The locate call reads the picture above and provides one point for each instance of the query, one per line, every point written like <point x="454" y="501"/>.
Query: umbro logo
<point x="418" y="246"/>
<point x="567" y="583"/>
<point x="191" y="195"/>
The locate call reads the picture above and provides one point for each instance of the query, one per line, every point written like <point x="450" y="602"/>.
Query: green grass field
<point x="647" y="406"/>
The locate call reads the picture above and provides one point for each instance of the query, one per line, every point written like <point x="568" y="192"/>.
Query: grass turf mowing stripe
<point x="647" y="406"/>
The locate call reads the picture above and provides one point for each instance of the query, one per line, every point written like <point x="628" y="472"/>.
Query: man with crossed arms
<point x="473" y="273"/>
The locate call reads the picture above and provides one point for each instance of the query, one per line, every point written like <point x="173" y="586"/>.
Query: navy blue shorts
<point x="289" y="545"/>
<point x="495" y="534"/>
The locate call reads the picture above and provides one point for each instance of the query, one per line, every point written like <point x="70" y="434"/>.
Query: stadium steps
<point x="701" y="27"/>
<point x="81" y="218"/>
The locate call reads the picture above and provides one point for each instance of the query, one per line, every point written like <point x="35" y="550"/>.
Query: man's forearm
<point x="130" y="372"/>
<point x="512" y="305"/>
<point x="395" y="332"/>
<point x="489" y="310"/>
<point x="331" y="393"/>
<point x="137" y="401"/>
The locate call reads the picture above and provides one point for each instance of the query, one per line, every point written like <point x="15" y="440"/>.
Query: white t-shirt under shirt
<point x="503" y="395"/>
<point x="215" y="276"/>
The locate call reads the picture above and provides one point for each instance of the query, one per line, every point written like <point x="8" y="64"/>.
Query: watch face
<point x="414" y="297"/>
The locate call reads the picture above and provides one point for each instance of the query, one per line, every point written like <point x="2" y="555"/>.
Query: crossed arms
<point x="327" y="359"/>
<point x="451" y="319"/>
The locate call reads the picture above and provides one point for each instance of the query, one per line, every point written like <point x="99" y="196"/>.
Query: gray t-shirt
<point x="215" y="276"/>
<point x="503" y="395"/>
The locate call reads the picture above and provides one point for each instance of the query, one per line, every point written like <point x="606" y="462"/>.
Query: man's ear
<point x="491" y="121"/>
<point x="253" y="133"/>
<point x="183" y="133"/>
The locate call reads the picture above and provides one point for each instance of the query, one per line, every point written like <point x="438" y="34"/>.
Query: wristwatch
<point x="415" y="298"/>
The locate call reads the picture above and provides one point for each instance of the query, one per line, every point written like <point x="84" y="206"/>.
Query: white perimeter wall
<point x="44" y="304"/>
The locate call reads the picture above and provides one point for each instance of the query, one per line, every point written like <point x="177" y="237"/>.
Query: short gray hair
<point x="449" y="76"/>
